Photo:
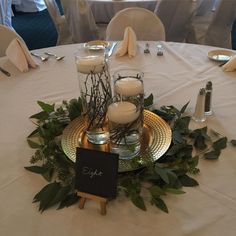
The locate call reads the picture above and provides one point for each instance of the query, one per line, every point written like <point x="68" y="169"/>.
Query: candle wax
<point x="122" y="112"/>
<point x="90" y="63"/>
<point x="129" y="87"/>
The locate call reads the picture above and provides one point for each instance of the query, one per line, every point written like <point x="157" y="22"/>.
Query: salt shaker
<point x="199" y="114"/>
<point x="208" y="99"/>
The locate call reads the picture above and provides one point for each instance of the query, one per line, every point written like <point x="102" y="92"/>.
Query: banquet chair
<point x="80" y="20"/>
<point x="175" y="15"/>
<point x="6" y="36"/>
<point x="219" y="31"/>
<point x="145" y="24"/>
<point x="64" y="36"/>
<point x="214" y="27"/>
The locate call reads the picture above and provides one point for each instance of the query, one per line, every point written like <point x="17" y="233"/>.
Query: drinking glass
<point x="95" y="91"/>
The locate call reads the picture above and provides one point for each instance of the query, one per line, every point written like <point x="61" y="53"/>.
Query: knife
<point x="5" y="72"/>
<point x="111" y="49"/>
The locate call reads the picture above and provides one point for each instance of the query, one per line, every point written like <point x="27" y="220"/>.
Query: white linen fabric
<point x="176" y="17"/>
<point x="219" y="31"/>
<point x="105" y="10"/>
<point x="64" y="36"/>
<point x="6" y="36"/>
<point x="213" y="23"/>
<point x="146" y="25"/>
<point x="18" y="53"/>
<point x="128" y="45"/>
<point x="80" y="20"/>
<point x="230" y="65"/>
<point x="207" y="210"/>
<point x="29" y="5"/>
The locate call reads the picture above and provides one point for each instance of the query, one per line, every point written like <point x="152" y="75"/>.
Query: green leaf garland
<point x="167" y="176"/>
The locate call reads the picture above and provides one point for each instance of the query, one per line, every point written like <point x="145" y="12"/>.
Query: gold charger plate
<point x="156" y="139"/>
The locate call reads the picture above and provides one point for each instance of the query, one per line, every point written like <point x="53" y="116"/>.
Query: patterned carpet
<point x="38" y="31"/>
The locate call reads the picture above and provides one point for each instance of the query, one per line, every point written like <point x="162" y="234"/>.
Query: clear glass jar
<point x="125" y="114"/>
<point x="95" y="91"/>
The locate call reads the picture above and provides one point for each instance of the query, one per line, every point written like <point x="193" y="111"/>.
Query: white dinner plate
<point x="96" y="45"/>
<point x="220" y="55"/>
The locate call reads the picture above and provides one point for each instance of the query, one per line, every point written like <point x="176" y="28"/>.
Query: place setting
<point x="226" y="58"/>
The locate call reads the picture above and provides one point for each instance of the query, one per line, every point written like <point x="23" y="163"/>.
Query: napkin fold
<point x="128" y="45"/>
<point x="18" y="53"/>
<point x="230" y="65"/>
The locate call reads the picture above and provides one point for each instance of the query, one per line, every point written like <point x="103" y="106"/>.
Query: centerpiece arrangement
<point x="167" y="175"/>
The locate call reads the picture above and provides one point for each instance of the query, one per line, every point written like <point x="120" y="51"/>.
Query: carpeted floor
<point x="38" y="31"/>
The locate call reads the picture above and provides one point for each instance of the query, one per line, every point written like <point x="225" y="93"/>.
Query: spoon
<point x="54" y="55"/>
<point x="146" y="50"/>
<point x="41" y="57"/>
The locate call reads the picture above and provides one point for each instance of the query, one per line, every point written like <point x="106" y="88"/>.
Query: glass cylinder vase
<point x="95" y="90"/>
<point x="125" y="114"/>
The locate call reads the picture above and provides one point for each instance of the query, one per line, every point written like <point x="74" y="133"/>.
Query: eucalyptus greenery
<point x="166" y="176"/>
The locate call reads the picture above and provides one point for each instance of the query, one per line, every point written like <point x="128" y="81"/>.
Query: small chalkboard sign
<point x="96" y="172"/>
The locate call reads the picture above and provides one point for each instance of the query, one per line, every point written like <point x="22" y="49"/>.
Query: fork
<point x="41" y="57"/>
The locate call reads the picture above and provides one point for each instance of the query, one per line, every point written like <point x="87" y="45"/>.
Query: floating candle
<point x="90" y="64"/>
<point x="122" y="112"/>
<point x="129" y="86"/>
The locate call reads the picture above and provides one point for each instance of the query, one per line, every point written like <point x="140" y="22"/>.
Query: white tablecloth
<point x="175" y="78"/>
<point x="104" y="10"/>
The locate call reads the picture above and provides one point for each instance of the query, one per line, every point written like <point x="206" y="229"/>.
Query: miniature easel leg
<point x="82" y="202"/>
<point x="103" y="210"/>
<point x="101" y="200"/>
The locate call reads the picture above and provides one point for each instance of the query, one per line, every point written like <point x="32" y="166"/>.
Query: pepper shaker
<point x="199" y="114"/>
<point x="208" y="99"/>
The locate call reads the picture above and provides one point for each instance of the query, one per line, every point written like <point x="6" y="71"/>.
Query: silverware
<point x="41" y="57"/>
<point x="160" y="49"/>
<point x="146" y="50"/>
<point x="111" y="49"/>
<point x="54" y="55"/>
<point x="5" y="72"/>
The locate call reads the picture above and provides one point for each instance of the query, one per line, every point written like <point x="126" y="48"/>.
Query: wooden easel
<point x="101" y="200"/>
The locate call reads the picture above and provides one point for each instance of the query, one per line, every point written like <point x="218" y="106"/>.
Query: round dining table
<point x="174" y="79"/>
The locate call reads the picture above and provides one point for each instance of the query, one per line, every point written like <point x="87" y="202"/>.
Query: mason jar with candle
<point x="125" y="114"/>
<point x="95" y="91"/>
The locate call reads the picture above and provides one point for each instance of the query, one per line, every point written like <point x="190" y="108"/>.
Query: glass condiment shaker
<point x="199" y="114"/>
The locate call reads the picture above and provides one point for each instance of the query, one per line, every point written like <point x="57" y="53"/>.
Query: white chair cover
<point x="6" y="36"/>
<point x="213" y="25"/>
<point x="219" y="31"/>
<point x="146" y="25"/>
<point x="5" y="13"/>
<point x="80" y="20"/>
<point x="175" y="15"/>
<point x="64" y="36"/>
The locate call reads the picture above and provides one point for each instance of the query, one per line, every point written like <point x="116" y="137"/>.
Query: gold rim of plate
<point x="155" y="141"/>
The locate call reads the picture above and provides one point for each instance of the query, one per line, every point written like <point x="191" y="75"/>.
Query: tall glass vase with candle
<point x="125" y="114"/>
<point x="95" y="89"/>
